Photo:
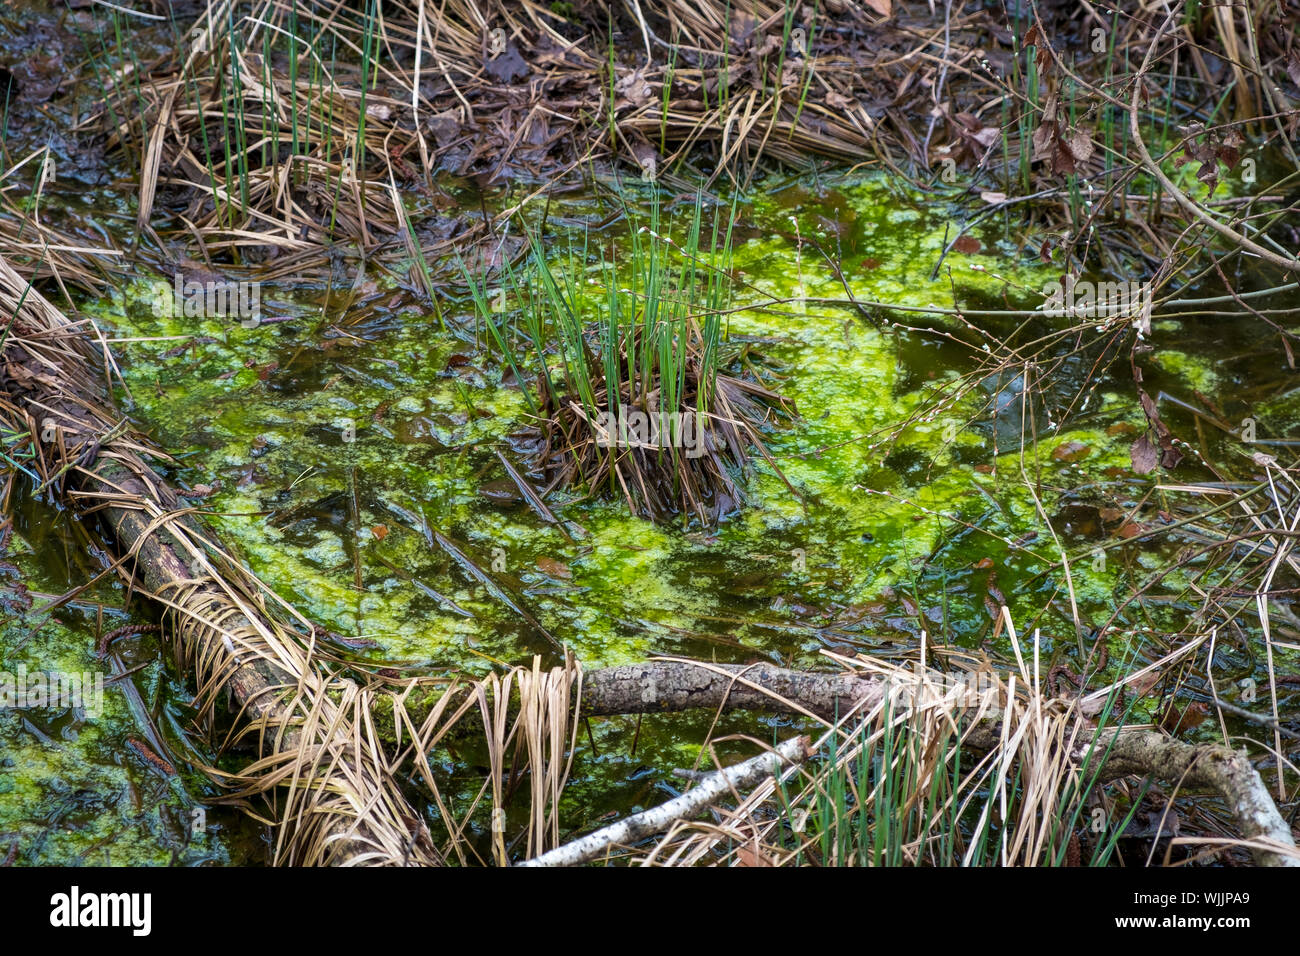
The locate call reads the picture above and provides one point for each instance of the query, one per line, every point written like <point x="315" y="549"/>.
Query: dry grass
<point x="965" y="768"/>
<point x="283" y="128"/>
<point x="38" y="249"/>
<point x="295" y="125"/>
<point x="319" y="771"/>
<point x="1021" y="794"/>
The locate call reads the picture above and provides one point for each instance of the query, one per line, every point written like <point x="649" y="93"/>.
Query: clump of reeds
<point x="272" y="135"/>
<point x="33" y="245"/>
<point x="284" y="126"/>
<point x="633" y="389"/>
<point x="975" y="770"/>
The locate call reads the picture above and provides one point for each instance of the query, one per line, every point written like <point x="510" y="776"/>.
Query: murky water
<point x="352" y="431"/>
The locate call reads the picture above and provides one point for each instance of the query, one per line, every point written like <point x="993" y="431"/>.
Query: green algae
<point x="339" y="455"/>
<point x="75" y="789"/>
<point x="1195" y="371"/>
<point x="350" y="433"/>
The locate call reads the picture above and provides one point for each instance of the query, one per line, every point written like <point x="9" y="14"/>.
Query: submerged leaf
<point x="554" y="568"/>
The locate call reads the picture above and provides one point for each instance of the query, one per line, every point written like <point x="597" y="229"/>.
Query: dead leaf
<point x="1092" y="707"/>
<point x="553" y="568"/>
<point x="973" y="137"/>
<point x="1170" y="456"/>
<point x="446" y="127"/>
<point x="26" y="377"/>
<point x="1176" y="720"/>
<point x="752" y="855"/>
<point x="1146" y="683"/>
<point x="633" y="88"/>
<point x="380" y="531"/>
<point x="1080" y="146"/>
<point x="508" y="67"/>
<point x="1064" y="154"/>
<point x="967" y="245"/>
<point x="838" y="101"/>
<point x="1071" y="451"/>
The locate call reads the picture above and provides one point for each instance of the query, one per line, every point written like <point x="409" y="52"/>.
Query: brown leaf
<point x="634" y="89"/>
<point x="838" y="101"/>
<point x="1063" y="162"/>
<point x="380" y="531"/>
<point x="1043" y="138"/>
<point x="752" y="856"/>
<point x="508" y="66"/>
<point x="1071" y="451"/>
<point x="1091" y="708"/>
<point x="973" y="132"/>
<point x="1177" y="719"/>
<point x="1146" y="683"/>
<point x="968" y="245"/>
<point x="1080" y="145"/>
<point x="445" y="126"/>
<point x="553" y="568"/>
<point x="1145" y="456"/>
<point x="882" y="7"/>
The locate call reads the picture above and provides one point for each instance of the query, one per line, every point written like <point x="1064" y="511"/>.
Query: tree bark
<point x="668" y="686"/>
<point x="741" y="776"/>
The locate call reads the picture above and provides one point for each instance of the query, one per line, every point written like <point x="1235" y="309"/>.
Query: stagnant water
<point x="344" y="431"/>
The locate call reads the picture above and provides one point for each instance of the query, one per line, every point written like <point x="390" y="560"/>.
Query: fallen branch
<point x="663" y="686"/>
<point x="649" y="822"/>
<point x="1201" y="767"/>
<point x="340" y="805"/>
<point x="678" y="685"/>
<point x="1286" y="263"/>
